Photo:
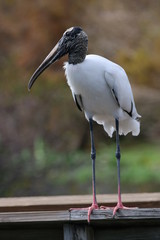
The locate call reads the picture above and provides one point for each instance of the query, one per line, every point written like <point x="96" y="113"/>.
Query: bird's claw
<point x="120" y="206"/>
<point x="94" y="206"/>
<point x="105" y="208"/>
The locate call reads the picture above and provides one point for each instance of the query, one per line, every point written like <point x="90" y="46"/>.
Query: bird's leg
<point x="93" y="157"/>
<point x="118" y="156"/>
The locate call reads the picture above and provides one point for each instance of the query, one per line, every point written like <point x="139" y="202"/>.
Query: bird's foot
<point x="120" y="206"/>
<point x="94" y="206"/>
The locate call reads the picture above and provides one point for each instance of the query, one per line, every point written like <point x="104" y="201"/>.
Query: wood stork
<point x="100" y="89"/>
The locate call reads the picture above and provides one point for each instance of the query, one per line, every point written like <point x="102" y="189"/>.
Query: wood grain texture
<point x="54" y="203"/>
<point x="79" y="216"/>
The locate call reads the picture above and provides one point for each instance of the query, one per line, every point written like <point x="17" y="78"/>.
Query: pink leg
<point x="118" y="156"/>
<point x="119" y="204"/>
<point x="93" y="157"/>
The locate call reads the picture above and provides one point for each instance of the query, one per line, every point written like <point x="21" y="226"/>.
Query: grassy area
<point x="47" y="172"/>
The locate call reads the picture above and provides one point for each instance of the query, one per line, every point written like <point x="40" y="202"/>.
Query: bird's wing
<point x="119" y="85"/>
<point x="78" y="100"/>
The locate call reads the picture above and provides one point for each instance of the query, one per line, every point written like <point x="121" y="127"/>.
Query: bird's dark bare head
<point x="74" y="42"/>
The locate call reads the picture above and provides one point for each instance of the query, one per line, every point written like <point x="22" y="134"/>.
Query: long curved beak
<point x="56" y="53"/>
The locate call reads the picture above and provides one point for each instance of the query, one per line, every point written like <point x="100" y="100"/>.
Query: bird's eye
<point x="67" y="34"/>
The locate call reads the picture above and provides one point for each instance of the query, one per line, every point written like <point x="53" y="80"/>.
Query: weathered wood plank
<point x="145" y="200"/>
<point x="79" y="216"/>
<point x="134" y="214"/>
<point x="42" y="216"/>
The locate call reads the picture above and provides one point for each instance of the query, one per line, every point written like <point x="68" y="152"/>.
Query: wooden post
<point x="77" y="232"/>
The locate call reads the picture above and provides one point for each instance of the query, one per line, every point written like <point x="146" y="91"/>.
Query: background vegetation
<point x="44" y="139"/>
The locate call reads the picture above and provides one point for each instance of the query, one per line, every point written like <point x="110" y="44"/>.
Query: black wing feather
<point x="78" y="101"/>
<point x="116" y="98"/>
<point x="129" y="113"/>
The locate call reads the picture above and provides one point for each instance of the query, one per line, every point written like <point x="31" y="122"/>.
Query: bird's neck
<point x="77" y="53"/>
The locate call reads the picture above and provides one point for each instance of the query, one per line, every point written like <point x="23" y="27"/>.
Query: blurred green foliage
<point x="44" y="139"/>
<point x="44" y="171"/>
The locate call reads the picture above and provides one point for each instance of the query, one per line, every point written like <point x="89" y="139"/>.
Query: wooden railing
<point x="48" y="218"/>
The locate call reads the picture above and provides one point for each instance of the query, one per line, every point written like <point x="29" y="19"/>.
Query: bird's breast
<point x="87" y="79"/>
<point x="83" y="78"/>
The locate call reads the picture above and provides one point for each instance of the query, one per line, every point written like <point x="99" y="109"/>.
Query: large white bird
<point x="100" y="89"/>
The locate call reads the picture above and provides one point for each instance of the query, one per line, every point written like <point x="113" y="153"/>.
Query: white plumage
<point x="98" y="80"/>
